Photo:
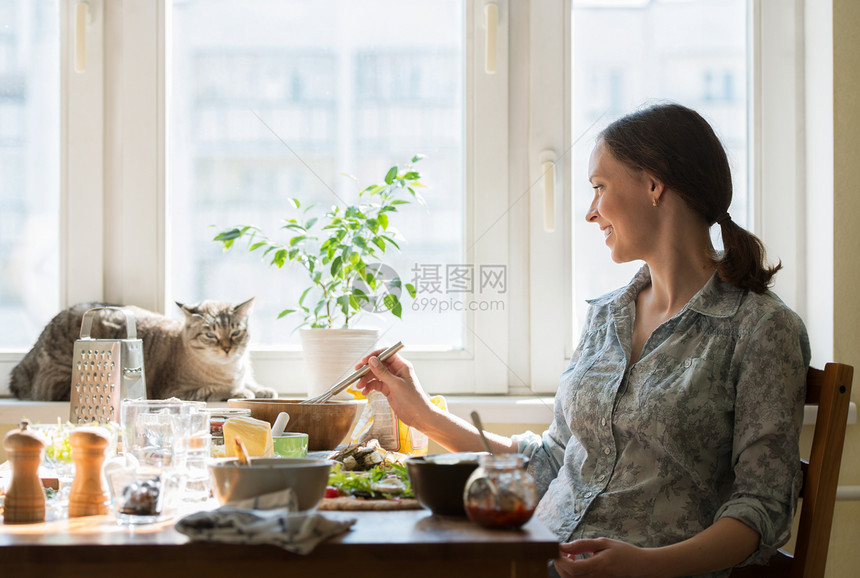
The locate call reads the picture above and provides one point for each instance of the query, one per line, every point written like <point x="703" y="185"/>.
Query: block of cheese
<point x="255" y="434"/>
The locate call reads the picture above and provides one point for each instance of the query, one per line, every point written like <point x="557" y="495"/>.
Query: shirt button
<point x="601" y="477"/>
<point x="588" y="494"/>
<point x="607" y="451"/>
<point x="688" y="363"/>
<point x="603" y="421"/>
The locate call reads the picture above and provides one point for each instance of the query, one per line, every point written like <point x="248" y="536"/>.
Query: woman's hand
<point x="608" y="558"/>
<point x="395" y="378"/>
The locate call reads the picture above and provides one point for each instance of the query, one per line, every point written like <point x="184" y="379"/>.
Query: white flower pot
<point x="331" y="354"/>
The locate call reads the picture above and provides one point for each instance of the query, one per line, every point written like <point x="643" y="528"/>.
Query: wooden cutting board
<point x="352" y="503"/>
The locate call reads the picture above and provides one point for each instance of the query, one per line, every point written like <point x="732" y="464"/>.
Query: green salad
<point x="384" y="481"/>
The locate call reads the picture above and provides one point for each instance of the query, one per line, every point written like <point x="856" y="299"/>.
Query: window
<point x="29" y="169"/>
<point x="295" y="96"/>
<point x="694" y="53"/>
<point x="180" y="120"/>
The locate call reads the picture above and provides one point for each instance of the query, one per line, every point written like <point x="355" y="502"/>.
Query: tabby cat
<point x="205" y="358"/>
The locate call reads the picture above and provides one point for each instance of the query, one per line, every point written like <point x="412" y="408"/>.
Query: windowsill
<point x="493" y="410"/>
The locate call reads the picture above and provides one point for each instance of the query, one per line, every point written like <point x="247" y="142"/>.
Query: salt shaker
<point x="25" y="498"/>
<point x="88" y="497"/>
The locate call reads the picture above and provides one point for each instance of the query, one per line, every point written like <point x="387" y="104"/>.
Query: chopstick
<point x="241" y="452"/>
<point x="353" y="377"/>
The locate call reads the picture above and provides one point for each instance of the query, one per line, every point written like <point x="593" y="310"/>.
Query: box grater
<point x="105" y="371"/>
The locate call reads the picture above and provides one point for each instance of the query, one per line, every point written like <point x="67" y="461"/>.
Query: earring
<point x="654" y="202"/>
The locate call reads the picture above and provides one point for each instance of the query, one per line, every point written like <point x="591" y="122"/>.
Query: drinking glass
<point x="199" y="440"/>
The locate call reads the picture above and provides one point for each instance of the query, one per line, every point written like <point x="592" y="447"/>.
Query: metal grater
<point x="105" y="371"/>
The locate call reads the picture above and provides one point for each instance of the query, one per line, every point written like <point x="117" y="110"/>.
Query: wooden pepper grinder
<point x="25" y="498"/>
<point x="87" y="497"/>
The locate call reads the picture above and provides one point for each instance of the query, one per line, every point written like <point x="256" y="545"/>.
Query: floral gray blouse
<point x="704" y="425"/>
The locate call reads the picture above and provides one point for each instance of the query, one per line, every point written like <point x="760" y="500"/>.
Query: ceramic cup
<point x="291" y="445"/>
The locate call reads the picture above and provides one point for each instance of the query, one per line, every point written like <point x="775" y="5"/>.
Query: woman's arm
<point x="395" y="378"/>
<point x="724" y="544"/>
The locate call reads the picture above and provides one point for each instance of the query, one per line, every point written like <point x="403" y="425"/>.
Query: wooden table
<point x="411" y="543"/>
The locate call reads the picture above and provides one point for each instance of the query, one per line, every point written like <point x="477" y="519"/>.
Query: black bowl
<point x="438" y="481"/>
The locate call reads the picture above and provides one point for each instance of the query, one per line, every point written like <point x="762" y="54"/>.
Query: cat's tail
<point x="21" y="378"/>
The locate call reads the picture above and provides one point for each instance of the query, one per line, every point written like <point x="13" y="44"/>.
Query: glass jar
<point x="500" y="493"/>
<point x="217" y="417"/>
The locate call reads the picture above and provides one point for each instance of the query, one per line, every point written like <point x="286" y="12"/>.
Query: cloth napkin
<point x="267" y="519"/>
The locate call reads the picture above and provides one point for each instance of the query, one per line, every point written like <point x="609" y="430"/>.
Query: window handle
<point x="491" y="23"/>
<point x="547" y="166"/>
<point x="82" y="16"/>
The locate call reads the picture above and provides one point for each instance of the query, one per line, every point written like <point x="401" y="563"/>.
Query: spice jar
<point x="500" y="493"/>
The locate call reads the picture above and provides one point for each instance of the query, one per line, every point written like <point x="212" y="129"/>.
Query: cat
<point x="203" y="359"/>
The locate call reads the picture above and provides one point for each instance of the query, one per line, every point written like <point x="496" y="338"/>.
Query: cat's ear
<point x="245" y="307"/>
<point x="187" y="309"/>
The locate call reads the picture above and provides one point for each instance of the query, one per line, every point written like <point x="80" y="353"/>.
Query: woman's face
<point x="622" y="205"/>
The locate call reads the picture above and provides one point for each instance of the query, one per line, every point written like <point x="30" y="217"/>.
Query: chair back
<point x="830" y="390"/>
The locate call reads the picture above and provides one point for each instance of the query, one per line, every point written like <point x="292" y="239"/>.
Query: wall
<point x="844" y="558"/>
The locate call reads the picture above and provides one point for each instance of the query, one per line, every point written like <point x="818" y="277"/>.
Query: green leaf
<point x="280" y="258"/>
<point x="304" y="294"/>
<point x="379" y="243"/>
<point x="360" y="242"/>
<point x="294" y="202"/>
<point x="399" y="202"/>
<point x="228" y="235"/>
<point x="285" y="312"/>
<point x="392" y="303"/>
<point x="410" y="288"/>
<point x="391" y="175"/>
<point x="298" y="239"/>
<point x="256" y="246"/>
<point x="383" y="221"/>
<point x="412" y="175"/>
<point x="311" y="222"/>
<point x="417" y="158"/>
<point x="336" y="266"/>
<point x="390" y="240"/>
<point x="373" y="224"/>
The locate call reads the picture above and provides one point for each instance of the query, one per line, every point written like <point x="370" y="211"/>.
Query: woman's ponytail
<point x="743" y="262"/>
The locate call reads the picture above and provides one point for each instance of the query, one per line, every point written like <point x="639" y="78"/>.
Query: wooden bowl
<point x="327" y="424"/>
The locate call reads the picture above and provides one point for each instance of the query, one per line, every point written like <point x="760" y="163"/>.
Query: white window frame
<point x="777" y="173"/>
<point x="114" y="174"/>
<point x="134" y="156"/>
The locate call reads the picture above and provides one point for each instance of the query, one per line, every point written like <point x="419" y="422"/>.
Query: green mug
<point x="291" y="445"/>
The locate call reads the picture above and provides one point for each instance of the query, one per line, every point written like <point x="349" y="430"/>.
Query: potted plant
<point x="340" y="252"/>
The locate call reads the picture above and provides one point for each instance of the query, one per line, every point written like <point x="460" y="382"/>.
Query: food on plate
<point x="368" y="471"/>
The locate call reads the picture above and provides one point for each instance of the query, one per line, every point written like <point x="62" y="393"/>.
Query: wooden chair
<point x="830" y="389"/>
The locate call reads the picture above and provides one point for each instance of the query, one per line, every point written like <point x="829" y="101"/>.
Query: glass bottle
<point x="500" y="493"/>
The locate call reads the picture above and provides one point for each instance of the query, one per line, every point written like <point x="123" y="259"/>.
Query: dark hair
<point x="679" y="147"/>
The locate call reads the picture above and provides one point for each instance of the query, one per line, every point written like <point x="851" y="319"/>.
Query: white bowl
<point x="307" y="477"/>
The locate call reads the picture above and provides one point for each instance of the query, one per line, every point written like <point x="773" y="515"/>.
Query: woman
<point x="674" y="445"/>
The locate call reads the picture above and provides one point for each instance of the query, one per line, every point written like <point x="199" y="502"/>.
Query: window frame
<point x="137" y="162"/>
<point x="114" y="163"/>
